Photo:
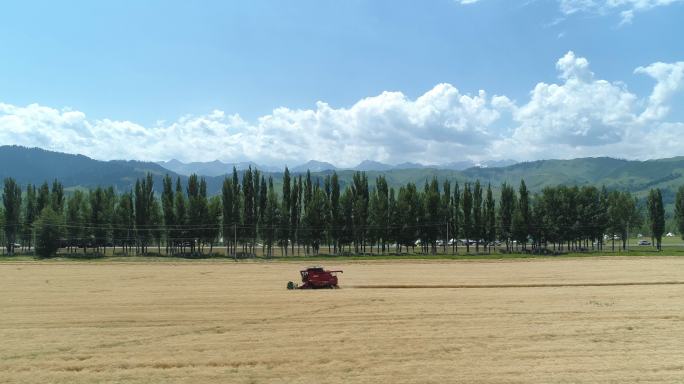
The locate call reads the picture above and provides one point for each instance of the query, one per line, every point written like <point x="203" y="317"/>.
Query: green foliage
<point x="623" y="215"/>
<point x="76" y="217"/>
<point x="467" y="210"/>
<point x="48" y="228"/>
<point x="506" y="210"/>
<point x="489" y="217"/>
<point x="271" y="217"/>
<point x="522" y="216"/>
<point x="11" y="199"/>
<point x="656" y="215"/>
<point x="637" y="177"/>
<point x="679" y="210"/>
<point x="312" y="211"/>
<point x="143" y="202"/>
<point x="57" y="197"/>
<point x="30" y="214"/>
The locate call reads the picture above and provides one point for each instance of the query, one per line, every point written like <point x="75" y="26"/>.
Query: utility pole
<point x="235" y="246"/>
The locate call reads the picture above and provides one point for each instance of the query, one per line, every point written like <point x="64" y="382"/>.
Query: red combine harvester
<point x="315" y="278"/>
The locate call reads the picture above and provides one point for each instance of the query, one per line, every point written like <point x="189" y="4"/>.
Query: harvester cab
<point x="316" y="277"/>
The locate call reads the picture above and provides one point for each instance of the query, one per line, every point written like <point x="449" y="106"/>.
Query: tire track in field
<point x="526" y="285"/>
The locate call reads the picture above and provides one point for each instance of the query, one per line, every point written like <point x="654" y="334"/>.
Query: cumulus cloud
<point x="580" y="112"/>
<point x="584" y="116"/>
<point x="386" y="127"/>
<point x="580" y="115"/>
<point x="670" y="79"/>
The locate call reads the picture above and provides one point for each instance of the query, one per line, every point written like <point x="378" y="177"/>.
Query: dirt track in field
<point x="482" y="286"/>
<point x="588" y="320"/>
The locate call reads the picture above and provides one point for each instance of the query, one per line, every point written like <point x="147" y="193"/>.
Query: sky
<point x="277" y="82"/>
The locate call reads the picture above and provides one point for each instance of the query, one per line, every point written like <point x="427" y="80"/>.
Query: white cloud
<point x="387" y="127"/>
<point x="584" y="116"/>
<point x="580" y="112"/>
<point x="625" y="8"/>
<point x="581" y="115"/>
<point x="572" y="6"/>
<point x="670" y="79"/>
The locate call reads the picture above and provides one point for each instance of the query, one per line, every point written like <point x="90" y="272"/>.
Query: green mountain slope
<point x="33" y="165"/>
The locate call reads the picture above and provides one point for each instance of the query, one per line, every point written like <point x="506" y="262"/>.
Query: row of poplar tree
<point x="308" y="213"/>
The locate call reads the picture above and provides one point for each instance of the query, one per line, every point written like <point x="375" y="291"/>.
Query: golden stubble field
<point x="221" y="322"/>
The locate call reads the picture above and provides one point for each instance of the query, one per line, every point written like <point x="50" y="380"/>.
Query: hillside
<point x="34" y="165"/>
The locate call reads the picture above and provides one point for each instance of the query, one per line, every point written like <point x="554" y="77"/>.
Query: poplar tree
<point x="478" y="222"/>
<point x="167" y="200"/>
<point x="327" y="189"/>
<point x="214" y="211"/>
<point x="347" y="217"/>
<point x="227" y="208"/>
<point x="57" y="197"/>
<point x="48" y="233"/>
<point x="295" y="204"/>
<point x="110" y="200"/>
<point x="43" y="197"/>
<point x="360" y="196"/>
<point x="457" y="217"/>
<point x="124" y="221"/>
<point x="11" y="199"/>
<point x="30" y="215"/>
<point x="624" y="214"/>
<point x="656" y="215"/>
<point x="271" y="218"/>
<point x="263" y="201"/>
<point x="467" y="209"/>
<point x="194" y="212"/>
<point x="285" y="231"/>
<point x="315" y="218"/>
<point x="305" y="235"/>
<point x="679" y="210"/>
<point x="205" y="232"/>
<point x="76" y="219"/>
<point x="256" y="188"/>
<point x="97" y="221"/>
<point x="506" y="211"/>
<point x="143" y="197"/>
<point x="156" y="221"/>
<point x="237" y="204"/>
<point x="393" y="218"/>
<point x="432" y="217"/>
<point x="382" y="213"/>
<point x="489" y="217"/>
<point x="248" y="208"/>
<point x="521" y="217"/>
<point x="335" y="213"/>
<point x="181" y="216"/>
<point x="446" y="212"/>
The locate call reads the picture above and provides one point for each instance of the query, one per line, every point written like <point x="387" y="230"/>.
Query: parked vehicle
<point x="644" y="242"/>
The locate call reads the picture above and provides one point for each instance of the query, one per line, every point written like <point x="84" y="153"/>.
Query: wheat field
<point x="584" y="320"/>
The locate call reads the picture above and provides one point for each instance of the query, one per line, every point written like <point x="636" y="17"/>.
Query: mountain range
<point x="219" y="168"/>
<point x="34" y="165"/>
<point x="211" y="168"/>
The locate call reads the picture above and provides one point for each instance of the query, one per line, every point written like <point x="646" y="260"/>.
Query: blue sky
<point x="78" y="74"/>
